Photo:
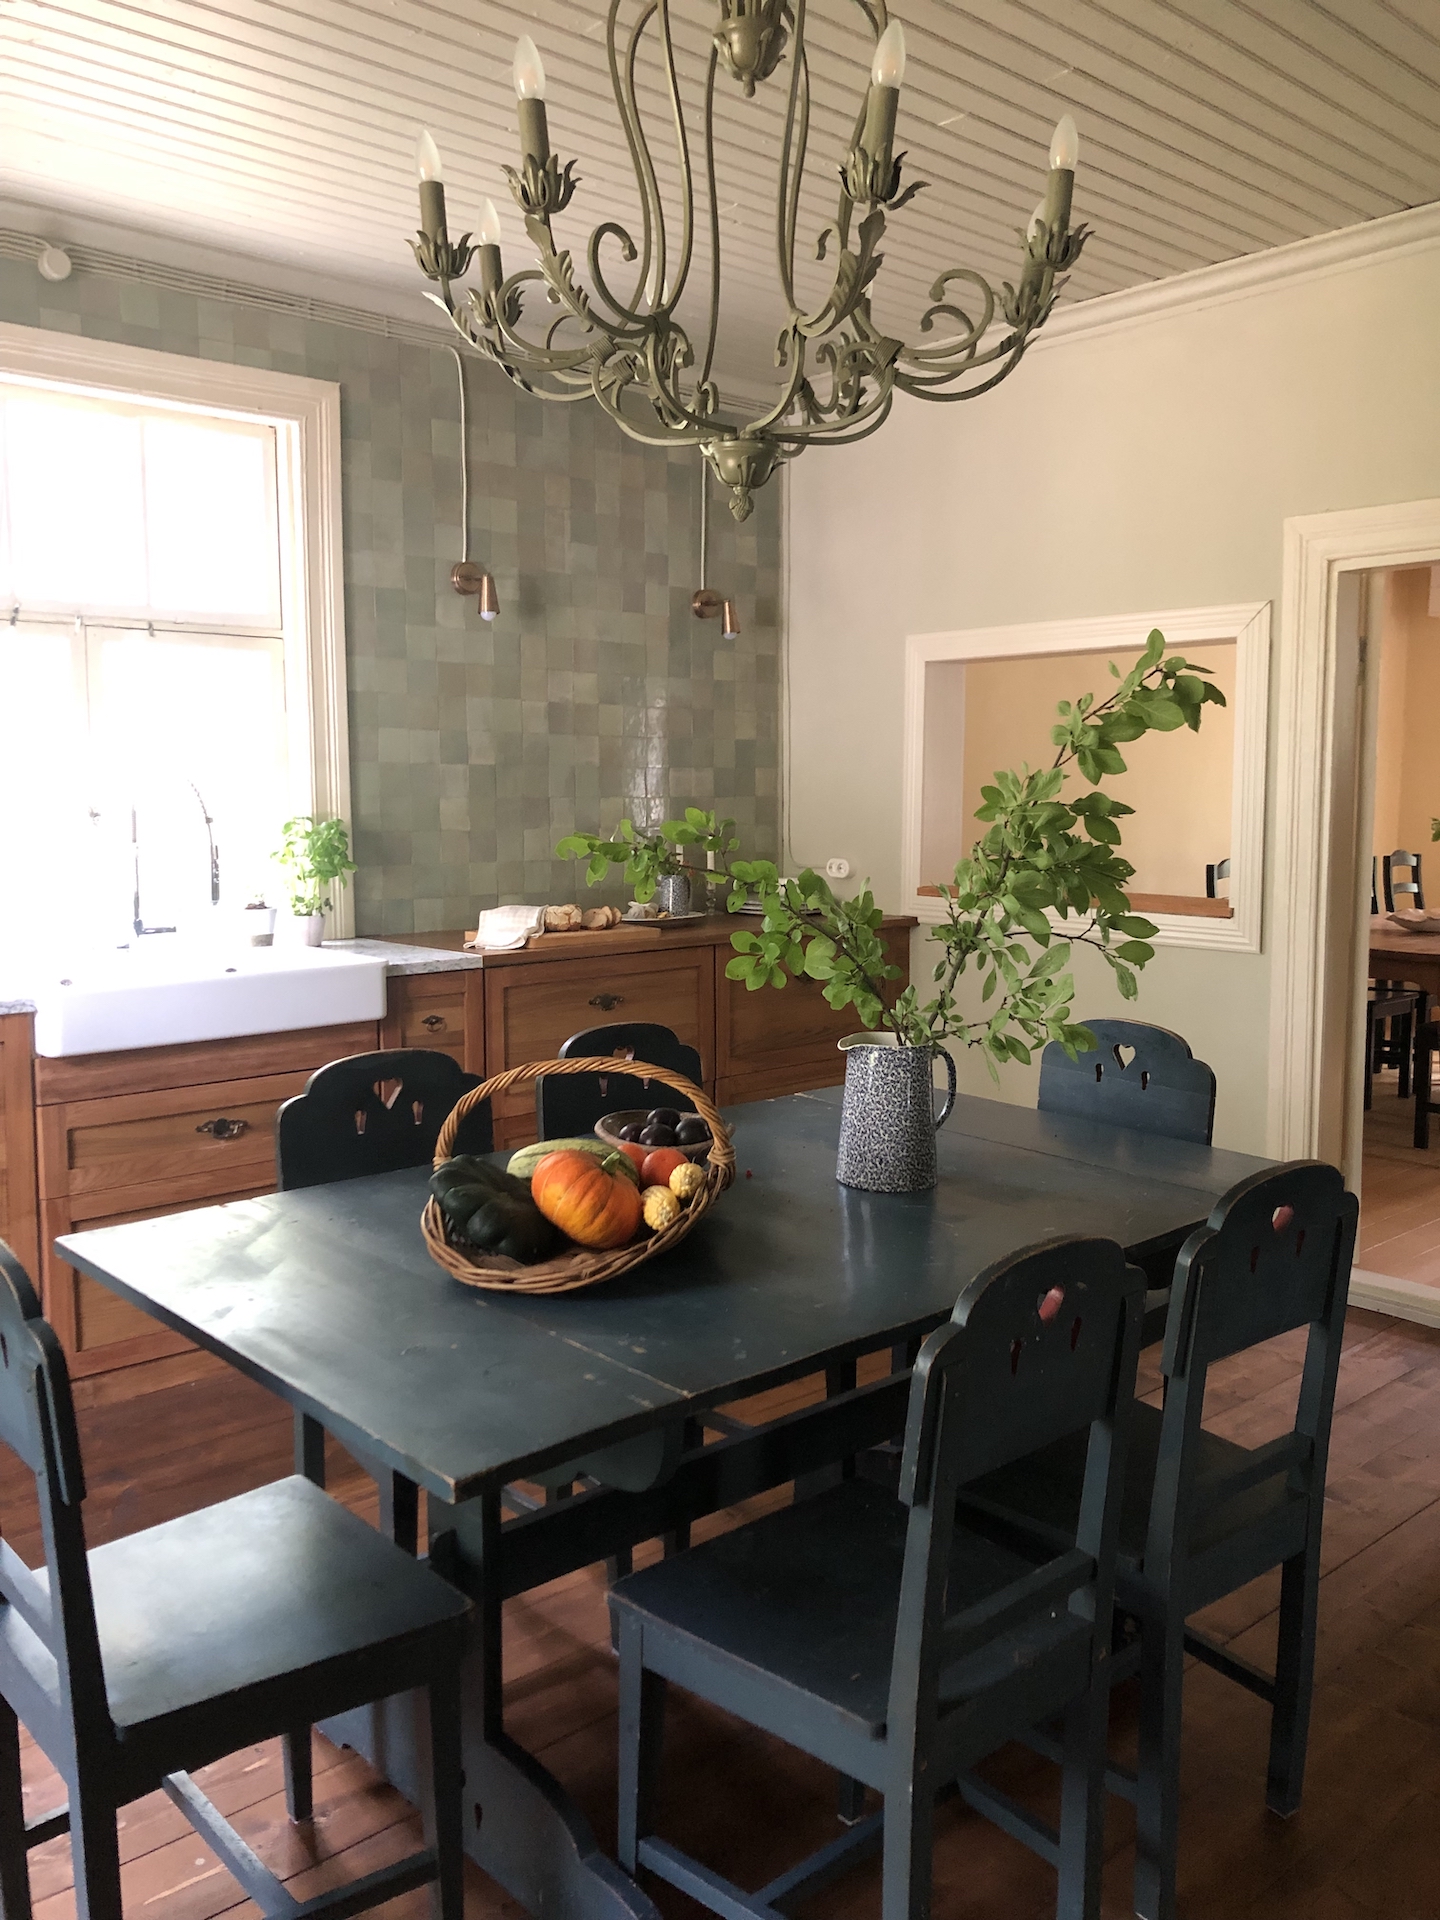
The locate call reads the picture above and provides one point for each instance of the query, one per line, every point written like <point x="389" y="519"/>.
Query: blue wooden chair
<point x="896" y="1645"/>
<point x="1203" y="1516"/>
<point x="139" y="1661"/>
<point x="374" y="1113"/>
<point x="571" y="1105"/>
<point x="1136" y="1076"/>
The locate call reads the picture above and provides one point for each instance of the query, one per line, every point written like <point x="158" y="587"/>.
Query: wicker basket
<point x="581" y="1267"/>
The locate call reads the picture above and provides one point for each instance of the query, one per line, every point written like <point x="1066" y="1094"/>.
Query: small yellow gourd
<point x="686" y="1182"/>
<point x="660" y="1207"/>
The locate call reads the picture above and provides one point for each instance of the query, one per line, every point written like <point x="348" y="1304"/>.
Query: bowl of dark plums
<point x="660" y="1127"/>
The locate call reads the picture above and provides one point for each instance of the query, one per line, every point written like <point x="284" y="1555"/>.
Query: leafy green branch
<point x="1044" y="854"/>
<point x="646" y="856"/>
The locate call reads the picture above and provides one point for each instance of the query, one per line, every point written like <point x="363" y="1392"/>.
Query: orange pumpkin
<point x="596" y="1208"/>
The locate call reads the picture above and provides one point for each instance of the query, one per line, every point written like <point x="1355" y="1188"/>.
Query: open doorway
<point x="1399" y="1240"/>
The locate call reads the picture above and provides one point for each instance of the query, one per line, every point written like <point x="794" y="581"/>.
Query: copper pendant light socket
<point x="467" y="577"/>
<point x="706" y="604"/>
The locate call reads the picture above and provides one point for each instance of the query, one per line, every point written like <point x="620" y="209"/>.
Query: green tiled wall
<point x="596" y="693"/>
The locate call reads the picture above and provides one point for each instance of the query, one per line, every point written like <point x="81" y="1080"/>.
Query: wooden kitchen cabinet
<point x="443" y="1012"/>
<point x="18" y="1209"/>
<point x="532" y="1008"/>
<point x="133" y="1135"/>
<point x="783" y="1039"/>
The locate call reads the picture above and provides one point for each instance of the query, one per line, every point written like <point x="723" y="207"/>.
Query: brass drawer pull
<point x="433" y="1022"/>
<point x="223" y="1129"/>
<point x="605" y="1001"/>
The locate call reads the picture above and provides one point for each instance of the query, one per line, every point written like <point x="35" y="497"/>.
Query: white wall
<point x="1147" y="465"/>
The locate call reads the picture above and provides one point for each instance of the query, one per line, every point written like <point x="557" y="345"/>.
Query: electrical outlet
<point x="837" y="869"/>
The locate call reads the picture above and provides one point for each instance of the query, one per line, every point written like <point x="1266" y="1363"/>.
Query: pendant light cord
<point x="464" y="461"/>
<point x="704" y="515"/>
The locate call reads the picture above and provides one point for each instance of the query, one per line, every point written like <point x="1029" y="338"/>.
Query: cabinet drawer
<point x="100" y="1331"/>
<point x="439" y="1011"/>
<point x="530" y="1011"/>
<point x="222" y="1135"/>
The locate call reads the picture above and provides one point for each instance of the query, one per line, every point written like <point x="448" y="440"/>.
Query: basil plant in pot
<point x="315" y="855"/>
<point x="1046" y="876"/>
<point x="654" y="863"/>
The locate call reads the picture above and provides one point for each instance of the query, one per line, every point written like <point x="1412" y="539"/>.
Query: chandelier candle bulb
<point x="530" y="99"/>
<point x="432" y="189"/>
<point x="1064" y="157"/>
<point x="487" y="233"/>
<point x="882" y="102"/>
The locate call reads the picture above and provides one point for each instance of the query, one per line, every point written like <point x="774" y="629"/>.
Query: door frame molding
<point x="1320" y="749"/>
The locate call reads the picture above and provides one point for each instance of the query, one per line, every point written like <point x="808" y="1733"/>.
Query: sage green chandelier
<point x="837" y="371"/>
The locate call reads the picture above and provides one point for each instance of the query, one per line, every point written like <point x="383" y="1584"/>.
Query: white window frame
<point x="306" y="417"/>
<point x="1247" y="624"/>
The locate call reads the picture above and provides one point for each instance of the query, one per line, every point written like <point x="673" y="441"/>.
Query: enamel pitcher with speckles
<point x="888" y="1122"/>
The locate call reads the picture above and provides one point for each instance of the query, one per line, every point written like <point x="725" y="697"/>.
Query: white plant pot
<point x="259" y="925"/>
<point x="302" y="929"/>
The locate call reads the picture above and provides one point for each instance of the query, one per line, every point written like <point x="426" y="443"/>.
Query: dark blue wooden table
<point x="328" y="1298"/>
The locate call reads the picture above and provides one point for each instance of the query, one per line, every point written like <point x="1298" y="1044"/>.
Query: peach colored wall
<point x="1407" y="762"/>
<point x="1178" y="783"/>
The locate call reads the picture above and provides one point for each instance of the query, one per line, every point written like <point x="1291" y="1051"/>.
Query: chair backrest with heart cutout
<point x="374" y="1113"/>
<point x="573" y="1103"/>
<point x="1136" y="1076"/>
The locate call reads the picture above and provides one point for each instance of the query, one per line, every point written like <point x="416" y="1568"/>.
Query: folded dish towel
<point x="501" y="929"/>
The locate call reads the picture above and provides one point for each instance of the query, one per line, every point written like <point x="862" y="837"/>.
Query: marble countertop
<point x="404" y="957"/>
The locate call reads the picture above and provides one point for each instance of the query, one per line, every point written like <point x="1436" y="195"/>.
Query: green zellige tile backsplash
<point x="474" y="747"/>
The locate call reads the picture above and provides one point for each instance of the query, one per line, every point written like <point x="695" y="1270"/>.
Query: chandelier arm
<point x="632" y="317"/>
<point x="712" y="203"/>
<point x="788" y="185"/>
<point x="802" y="144"/>
<point x="853" y="273"/>
<point x="670" y="437"/>
<point x="670" y="298"/>
<point x="638" y="157"/>
<point x="796" y="439"/>
<point x="930" y="389"/>
<point x="790" y="350"/>
<point x="845" y="408"/>
<point x="506" y="301"/>
<point x="628" y="101"/>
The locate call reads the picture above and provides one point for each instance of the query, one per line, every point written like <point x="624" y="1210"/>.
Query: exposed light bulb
<point x="1036" y="219"/>
<point x="729" y="622"/>
<point x="1065" y="147"/>
<point x="488" y="232"/>
<point x="887" y="69"/>
<point x="427" y="157"/>
<point x="529" y="71"/>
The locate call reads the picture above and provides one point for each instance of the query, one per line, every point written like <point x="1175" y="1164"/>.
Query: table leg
<point x="520" y="1824"/>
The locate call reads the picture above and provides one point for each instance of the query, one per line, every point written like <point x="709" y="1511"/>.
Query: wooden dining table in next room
<point x="327" y="1297"/>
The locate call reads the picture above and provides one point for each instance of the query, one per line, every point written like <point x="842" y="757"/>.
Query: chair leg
<point x="642" y="1732"/>
<point x="1082" y="1801"/>
<point x="1424" y="1059"/>
<point x="299" y="1774"/>
<point x="851" y="1800"/>
<point x="906" y="1872"/>
<point x="446" y="1814"/>
<point x="1157" y="1799"/>
<point x="14" y="1870"/>
<point x="1294" y="1681"/>
<point x="95" y="1856"/>
<point x="1407" y="1053"/>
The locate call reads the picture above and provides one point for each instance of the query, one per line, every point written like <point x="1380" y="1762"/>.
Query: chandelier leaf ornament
<point x="838" y="371"/>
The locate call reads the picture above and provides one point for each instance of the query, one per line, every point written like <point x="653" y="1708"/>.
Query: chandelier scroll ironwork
<point x="838" y="371"/>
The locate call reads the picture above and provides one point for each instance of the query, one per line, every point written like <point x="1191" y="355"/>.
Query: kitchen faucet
<point x="138" y="923"/>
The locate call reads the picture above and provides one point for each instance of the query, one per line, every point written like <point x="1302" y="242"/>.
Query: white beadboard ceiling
<point x="285" y="129"/>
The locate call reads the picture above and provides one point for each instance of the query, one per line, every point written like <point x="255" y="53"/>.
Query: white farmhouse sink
<point x="161" y="993"/>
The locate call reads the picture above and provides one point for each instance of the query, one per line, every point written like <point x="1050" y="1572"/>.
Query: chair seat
<point x="808" y="1595"/>
<point x="272" y="1583"/>
<point x="1045" y="1488"/>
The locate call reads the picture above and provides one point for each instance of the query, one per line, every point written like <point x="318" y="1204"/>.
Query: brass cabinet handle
<point x="605" y="1001"/>
<point x="223" y="1129"/>
<point x="433" y="1021"/>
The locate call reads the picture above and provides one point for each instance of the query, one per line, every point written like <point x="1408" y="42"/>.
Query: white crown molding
<point x="1416" y="230"/>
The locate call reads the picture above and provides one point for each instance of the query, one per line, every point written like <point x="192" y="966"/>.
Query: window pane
<point x="209" y="498"/>
<point x="53" y="882"/>
<point x="183" y="725"/>
<point x="76" y="503"/>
